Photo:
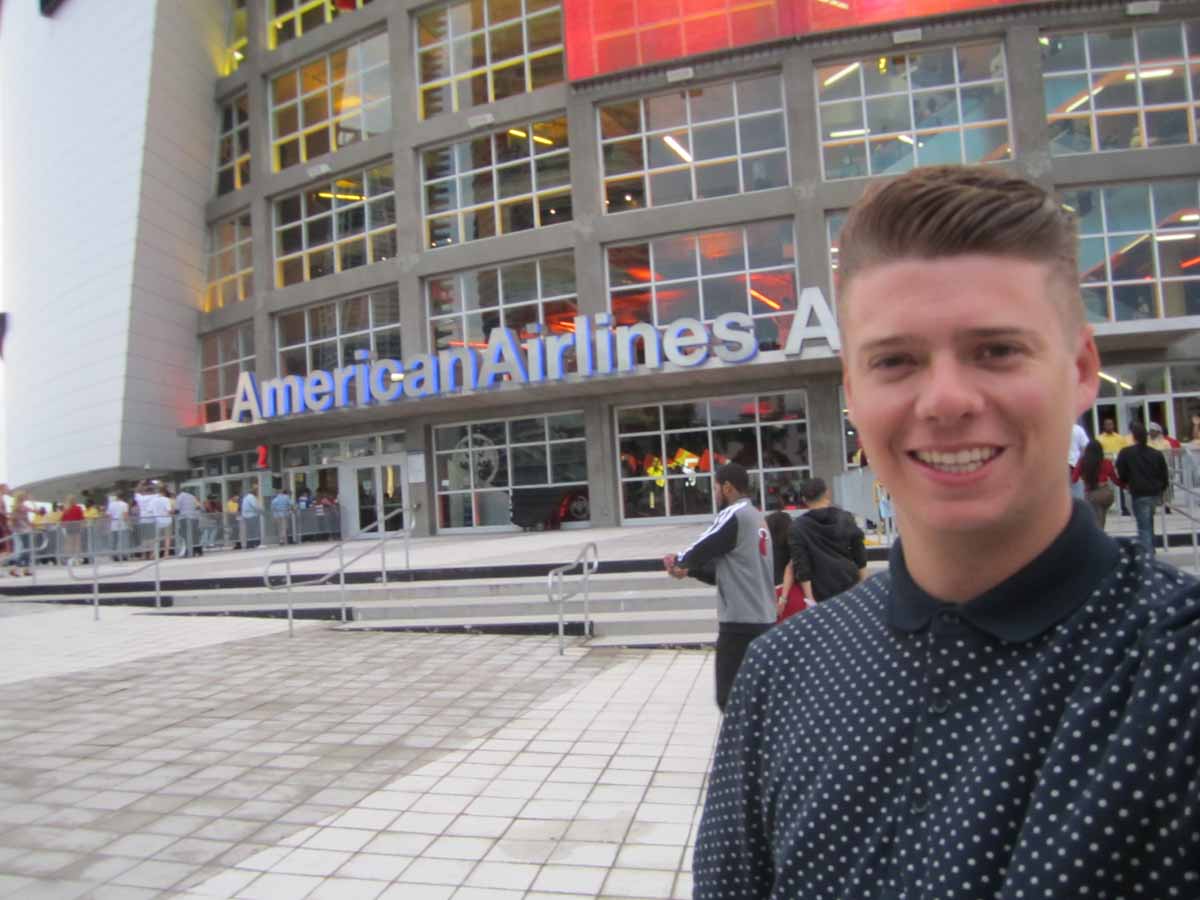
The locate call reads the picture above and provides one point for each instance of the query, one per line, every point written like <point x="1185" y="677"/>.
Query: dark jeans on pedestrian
<point x="1143" y="515"/>
<point x="733" y="639"/>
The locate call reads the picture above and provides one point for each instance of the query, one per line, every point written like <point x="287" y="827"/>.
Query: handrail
<point x="343" y="563"/>
<point x="96" y="577"/>
<point x="588" y="560"/>
<point x="1178" y="482"/>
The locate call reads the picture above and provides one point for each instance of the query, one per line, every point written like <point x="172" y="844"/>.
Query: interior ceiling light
<point x="852" y="132"/>
<point x="1182" y="236"/>
<point x="538" y="139"/>
<point x="517" y="132"/>
<point x="1149" y="73"/>
<point x="763" y="298"/>
<point x="840" y="74"/>
<point x="670" y="141"/>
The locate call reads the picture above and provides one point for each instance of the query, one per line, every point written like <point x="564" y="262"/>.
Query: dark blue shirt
<point x="1040" y="741"/>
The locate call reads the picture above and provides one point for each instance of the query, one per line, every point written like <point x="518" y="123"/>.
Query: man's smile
<point x="957" y="462"/>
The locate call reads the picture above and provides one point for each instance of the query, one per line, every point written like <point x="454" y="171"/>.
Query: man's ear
<point x="1086" y="371"/>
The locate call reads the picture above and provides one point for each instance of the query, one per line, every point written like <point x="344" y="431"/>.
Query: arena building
<point x="549" y="261"/>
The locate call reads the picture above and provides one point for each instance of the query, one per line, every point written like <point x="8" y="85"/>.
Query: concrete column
<point x="1027" y="130"/>
<point x="824" y="428"/>
<point x="587" y="209"/>
<point x="417" y="440"/>
<point x="603" y="496"/>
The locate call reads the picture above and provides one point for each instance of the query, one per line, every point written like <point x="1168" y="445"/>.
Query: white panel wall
<point x="108" y="117"/>
<point x="73" y="92"/>
<point x="177" y="179"/>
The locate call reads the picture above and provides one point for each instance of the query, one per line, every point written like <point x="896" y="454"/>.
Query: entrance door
<point x="378" y="493"/>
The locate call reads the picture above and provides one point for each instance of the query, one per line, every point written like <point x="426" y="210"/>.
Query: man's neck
<point x="958" y="567"/>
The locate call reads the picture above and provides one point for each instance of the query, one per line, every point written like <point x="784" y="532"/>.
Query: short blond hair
<point x="943" y="211"/>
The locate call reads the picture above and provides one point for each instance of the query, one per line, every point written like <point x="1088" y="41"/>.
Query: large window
<point x="230" y="263"/>
<point x="465" y="307"/>
<point x="292" y="18"/>
<point x="236" y="35"/>
<point x="327" y="335"/>
<point x="668" y="452"/>
<point x="702" y="142"/>
<point x="834" y="221"/>
<point x="537" y="466"/>
<point x="335" y="226"/>
<point x="233" y="145"/>
<point x="1139" y="255"/>
<point x="511" y="180"/>
<point x="224" y="355"/>
<point x="327" y="103"/>
<point x="886" y="114"/>
<point x="747" y="269"/>
<point x="479" y="51"/>
<point x="1121" y="89"/>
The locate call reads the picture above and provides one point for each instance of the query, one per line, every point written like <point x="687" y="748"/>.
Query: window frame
<point x="341" y="335"/>
<point x="220" y="403"/>
<point x="285" y="27"/>
<point x="686" y="149"/>
<point x="851" y="71"/>
<point x="241" y="275"/>
<point x="236" y="163"/>
<point x="455" y="76"/>
<point x="382" y="236"/>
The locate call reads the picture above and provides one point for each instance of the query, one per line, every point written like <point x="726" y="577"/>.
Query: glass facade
<point x="465" y="307"/>
<point x="725" y="138"/>
<point x="537" y="465"/>
<point x="224" y="355"/>
<point x="335" y="225"/>
<point x="236" y="35"/>
<point x="233" y="145"/>
<point x="499" y="183"/>
<point x="479" y="51"/>
<point x="331" y="102"/>
<point x="327" y="335"/>
<point x="1139" y="253"/>
<point x="886" y="114"/>
<point x="748" y="269"/>
<point x="1121" y="89"/>
<point x="289" y="19"/>
<point x="668" y="452"/>
<point x="230" y="263"/>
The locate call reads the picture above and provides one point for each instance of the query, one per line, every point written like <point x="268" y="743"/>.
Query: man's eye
<point x="998" y="351"/>
<point x="891" y="361"/>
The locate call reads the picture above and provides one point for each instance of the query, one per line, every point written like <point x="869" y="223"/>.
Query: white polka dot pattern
<point x="858" y="760"/>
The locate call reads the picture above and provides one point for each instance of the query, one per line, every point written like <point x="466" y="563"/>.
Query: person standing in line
<point x="212" y="520"/>
<point x="187" y="517"/>
<point x="1010" y="710"/>
<point x="251" y="513"/>
<point x="828" y="549"/>
<point x="7" y="545"/>
<point x="735" y="554"/>
<point x="1113" y="443"/>
<point x="789" y="598"/>
<point x="157" y="513"/>
<point x="20" y="521"/>
<point x="72" y="529"/>
<point x="1079" y="440"/>
<point x="118" y="526"/>
<point x="281" y="513"/>
<point x="1144" y="471"/>
<point x="1095" y="471"/>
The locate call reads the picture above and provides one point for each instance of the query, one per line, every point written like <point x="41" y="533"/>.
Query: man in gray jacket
<point x="735" y="554"/>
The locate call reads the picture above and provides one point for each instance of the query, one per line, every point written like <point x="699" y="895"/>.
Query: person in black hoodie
<point x="828" y="555"/>
<point x="1144" y="471"/>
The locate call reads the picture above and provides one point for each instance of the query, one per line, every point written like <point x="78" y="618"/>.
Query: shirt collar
<point x="1030" y="602"/>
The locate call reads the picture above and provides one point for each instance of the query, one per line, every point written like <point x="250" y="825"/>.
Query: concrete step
<point x="665" y="639"/>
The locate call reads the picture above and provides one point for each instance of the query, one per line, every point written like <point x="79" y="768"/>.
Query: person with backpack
<point x="1098" y="477"/>
<point x="827" y="547"/>
<point x="1144" y="470"/>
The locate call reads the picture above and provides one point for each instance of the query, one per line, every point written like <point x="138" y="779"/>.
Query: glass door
<point x="379" y="489"/>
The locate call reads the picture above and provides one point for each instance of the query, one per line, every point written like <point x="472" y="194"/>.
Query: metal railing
<point x="96" y="577"/>
<point x="588" y="561"/>
<point x="343" y="563"/>
<point x="1184" y="466"/>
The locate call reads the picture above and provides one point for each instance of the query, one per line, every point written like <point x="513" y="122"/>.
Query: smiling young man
<point x="1013" y="709"/>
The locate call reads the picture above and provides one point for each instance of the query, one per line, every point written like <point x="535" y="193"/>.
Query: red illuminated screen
<point x="604" y="36"/>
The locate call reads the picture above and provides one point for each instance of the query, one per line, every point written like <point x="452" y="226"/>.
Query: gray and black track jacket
<point x="736" y="549"/>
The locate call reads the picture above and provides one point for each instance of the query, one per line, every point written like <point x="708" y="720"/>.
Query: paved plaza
<point x="147" y="756"/>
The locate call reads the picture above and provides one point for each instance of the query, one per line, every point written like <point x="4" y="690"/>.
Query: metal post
<point x="407" y="558"/>
<point x="291" y="624"/>
<point x="95" y="588"/>
<point x="342" y="576"/>
<point x="1163" y="508"/>
<point x="157" y="574"/>
<point x="382" y="552"/>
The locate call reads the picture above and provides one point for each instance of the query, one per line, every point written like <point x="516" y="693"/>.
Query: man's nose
<point x="948" y="392"/>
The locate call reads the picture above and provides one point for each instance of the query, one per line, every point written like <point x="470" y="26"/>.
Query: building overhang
<point x="1145" y="334"/>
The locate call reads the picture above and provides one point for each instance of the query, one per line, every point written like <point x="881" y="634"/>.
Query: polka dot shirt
<point x="1041" y="741"/>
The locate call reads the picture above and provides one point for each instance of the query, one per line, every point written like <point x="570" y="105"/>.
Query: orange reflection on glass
<point x="605" y="36"/>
